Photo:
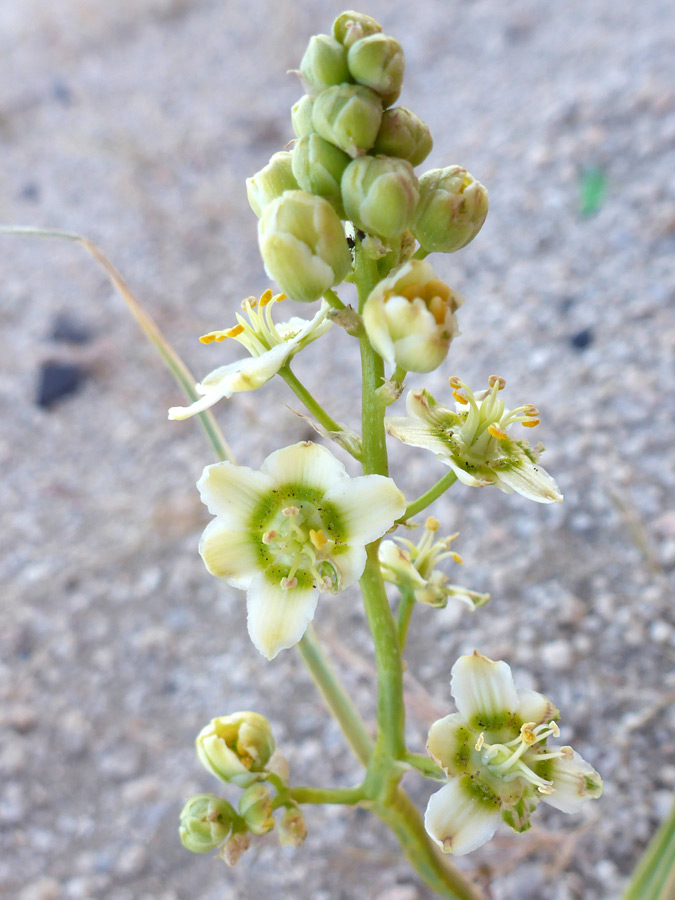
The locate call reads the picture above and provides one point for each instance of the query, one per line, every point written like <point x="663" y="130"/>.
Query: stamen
<point x="269" y="536"/>
<point x="210" y="338"/>
<point x="289" y="583"/>
<point x="290" y="511"/>
<point x="266" y="297"/>
<point x="460" y="398"/>
<point x="480" y="741"/>
<point x="566" y="753"/>
<point x="527" y="735"/>
<point x="530" y="423"/>
<point x="233" y="332"/>
<point x="545" y="788"/>
<point x="497" y="380"/>
<point x="455" y="383"/>
<point x="318" y="538"/>
<point x="249" y="303"/>
<point x="555" y="731"/>
<point x="457" y="558"/>
<point x="432" y="524"/>
<point x="497" y="432"/>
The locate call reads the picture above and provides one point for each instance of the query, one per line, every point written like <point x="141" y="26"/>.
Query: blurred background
<point x="136" y="123"/>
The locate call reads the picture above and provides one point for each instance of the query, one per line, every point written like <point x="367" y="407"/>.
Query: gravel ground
<point x="136" y="123"/>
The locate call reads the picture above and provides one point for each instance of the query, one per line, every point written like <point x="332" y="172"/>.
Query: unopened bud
<point x="324" y="64"/>
<point x="405" y="135"/>
<point x="292" y="828"/>
<point x="301" y="116"/>
<point x="377" y="61"/>
<point x="451" y="209"/>
<point x="351" y="26"/>
<point x="349" y="116"/>
<point x="236" y="748"/>
<point x="271" y="182"/>
<point x="318" y="166"/>
<point x="410" y="317"/>
<point x="303" y="245"/>
<point x="205" y="822"/>
<point x="380" y="195"/>
<point x="256" y="809"/>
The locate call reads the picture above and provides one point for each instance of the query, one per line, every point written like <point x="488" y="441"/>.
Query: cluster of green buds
<point x="353" y="161"/>
<point x="239" y="750"/>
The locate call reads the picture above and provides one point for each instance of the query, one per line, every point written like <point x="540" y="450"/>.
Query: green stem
<point x="390" y="706"/>
<point x="429" y="496"/>
<point x="405" y="610"/>
<point x="337" y="699"/>
<point x="333" y="300"/>
<point x="420" y="253"/>
<point x="402" y="816"/>
<point x="310" y="403"/>
<point x="654" y="876"/>
<point x="173" y="362"/>
<point x="347" y="796"/>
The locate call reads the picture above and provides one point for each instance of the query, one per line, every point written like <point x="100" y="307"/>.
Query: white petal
<point x="377" y="328"/>
<point x="450" y="743"/>
<point x="397" y="560"/>
<point x="243" y="375"/>
<point x="530" y="480"/>
<point x="233" y="492"/>
<point x="228" y="554"/>
<point x="484" y="691"/>
<point x="535" y="707"/>
<point x="415" y="433"/>
<point x="367" y="506"/>
<point x="278" y="618"/>
<point x="350" y="559"/>
<point x="307" y="464"/>
<point x="458" y="820"/>
<point x="575" y="781"/>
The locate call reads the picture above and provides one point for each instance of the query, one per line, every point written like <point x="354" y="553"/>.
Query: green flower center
<point x="518" y="758"/>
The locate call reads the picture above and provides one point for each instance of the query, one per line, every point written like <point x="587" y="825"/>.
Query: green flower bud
<point x="292" y="829"/>
<point x="405" y="135"/>
<point x="256" y="809"/>
<point x="318" y="166"/>
<point x="301" y="116"/>
<point x="303" y="245"/>
<point x="377" y="61"/>
<point x="380" y="195"/>
<point x="236" y="748"/>
<point x="351" y="26"/>
<point x="349" y="116"/>
<point x="324" y="64"/>
<point x="205" y="822"/>
<point x="270" y="182"/>
<point x="451" y="210"/>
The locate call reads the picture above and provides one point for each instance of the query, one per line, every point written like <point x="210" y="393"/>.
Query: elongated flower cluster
<point x="473" y="439"/>
<point x="495" y="754"/>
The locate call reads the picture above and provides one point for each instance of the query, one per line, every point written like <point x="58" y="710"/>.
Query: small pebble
<point x="56" y="381"/>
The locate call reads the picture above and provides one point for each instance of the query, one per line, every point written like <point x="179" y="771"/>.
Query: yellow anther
<point x="266" y="297"/>
<point x="249" y="303"/>
<point x="460" y="398"/>
<point x="497" y="432"/>
<point x="318" y="538"/>
<point x="432" y="524"/>
<point x="233" y="332"/>
<point x="527" y="735"/>
<point x="566" y="753"/>
<point x="497" y="380"/>
<point x="457" y="558"/>
<point x="531" y="410"/>
<point x="269" y="536"/>
<point x="480" y="741"/>
<point x="530" y="423"/>
<point x="209" y="338"/>
<point x="454" y="382"/>
<point x="290" y="511"/>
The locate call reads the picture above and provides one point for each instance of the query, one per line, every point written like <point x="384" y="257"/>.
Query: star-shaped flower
<point x="473" y="439"/>
<point x="271" y="346"/>
<point x="494" y="751"/>
<point x="296" y="528"/>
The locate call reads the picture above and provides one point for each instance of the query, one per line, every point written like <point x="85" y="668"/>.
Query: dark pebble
<point x="58" y="380"/>
<point x="69" y="330"/>
<point x="582" y="339"/>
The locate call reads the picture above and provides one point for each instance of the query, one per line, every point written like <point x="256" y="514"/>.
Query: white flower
<point x="473" y="439"/>
<point x="494" y="752"/>
<point x="414" y="566"/>
<point x="271" y="346"/>
<point x="410" y="317"/>
<point x="296" y="528"/>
